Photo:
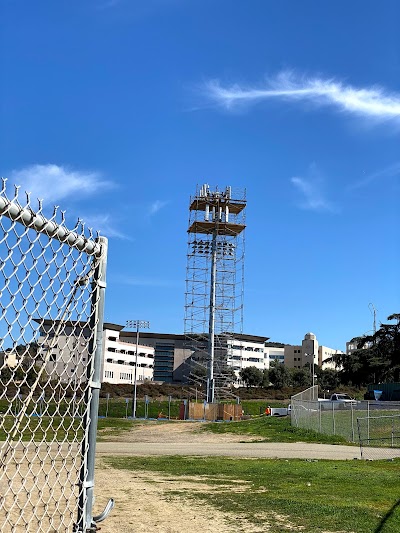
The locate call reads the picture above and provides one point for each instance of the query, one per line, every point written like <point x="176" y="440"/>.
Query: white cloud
<point x="387" y="172"/>
<point x="105" y="225"/>
<point x="312" y="191"/>
<point x="370" y="102"/>
<point x="156" y="206"/>
<point x="53" y="183"/>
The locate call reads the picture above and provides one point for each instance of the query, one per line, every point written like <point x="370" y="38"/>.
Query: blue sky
<point x="115" y="110"/>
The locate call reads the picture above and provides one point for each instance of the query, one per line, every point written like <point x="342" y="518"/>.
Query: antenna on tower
<point x="373" y="311"/>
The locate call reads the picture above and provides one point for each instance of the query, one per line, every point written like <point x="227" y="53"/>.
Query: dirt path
<point x="185" y="438"/>
<point x="143" y="505"/>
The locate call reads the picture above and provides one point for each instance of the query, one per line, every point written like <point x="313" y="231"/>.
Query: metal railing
<point x="52" y="285"/>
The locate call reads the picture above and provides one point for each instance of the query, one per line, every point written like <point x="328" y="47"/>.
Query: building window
<point x="111" y="349"/>
<point x="112" y="339"/>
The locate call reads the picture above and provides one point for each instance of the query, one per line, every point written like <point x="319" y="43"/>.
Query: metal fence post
<point x="320" y="416"/>
<point x="333" y="417"/>
<point x="86" y="522"/>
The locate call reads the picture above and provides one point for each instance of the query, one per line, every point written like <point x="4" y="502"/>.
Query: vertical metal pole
<point x="320" y="416"/>
<point x="392" y="440"/>
<point x="368" y="422"/>
<point x="211" y="325"/>
<point x="352" y="423"/>
<point x="135" y="375"/>
<point x="169" y="407"/>
<point x="92" y="393"/>
<point x="359" y="438"/>
<point x="313" y="371"/>
<point x="333" y="415"/>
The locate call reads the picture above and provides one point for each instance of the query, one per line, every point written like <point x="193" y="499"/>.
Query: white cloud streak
<point x="311" y="190"/>
<point x="156" y="206"/>
<point x="105" y="225"/>
<point x="53" y="183"/>
<point x="371" y="102"/>
<point x="388" y="172"/>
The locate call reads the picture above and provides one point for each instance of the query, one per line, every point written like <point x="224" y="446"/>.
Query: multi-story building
<point x="164" y="357"/>
<point x="68" y="355"/>
<point x="120" y="357"/>
<point x="247" y="350"/>
<point x="310" y="352"/>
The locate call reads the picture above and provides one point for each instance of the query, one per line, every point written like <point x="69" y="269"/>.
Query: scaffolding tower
<point x="214" y="285"/>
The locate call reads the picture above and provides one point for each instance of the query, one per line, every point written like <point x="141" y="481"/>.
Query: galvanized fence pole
<point x="86" y="522"/>
<point x="320" y="416"/>
<point x="352" y="422"/>
<point x="333" y="417"/>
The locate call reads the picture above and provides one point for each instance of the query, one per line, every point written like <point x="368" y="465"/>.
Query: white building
<point x="247" y="350"/>
<point x="120" y="358"/>
<point x="67" y="355"/>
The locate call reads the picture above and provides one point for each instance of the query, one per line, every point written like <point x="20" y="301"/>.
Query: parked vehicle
<point x="342" y="398"/>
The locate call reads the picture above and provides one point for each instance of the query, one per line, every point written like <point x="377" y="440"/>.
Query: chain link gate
<point x="52" y="285"/>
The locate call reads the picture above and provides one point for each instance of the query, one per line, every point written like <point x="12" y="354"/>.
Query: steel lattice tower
<point x="214" y="283"/>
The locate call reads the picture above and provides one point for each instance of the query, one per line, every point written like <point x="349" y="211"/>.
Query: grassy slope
<point x="272" y="429"/>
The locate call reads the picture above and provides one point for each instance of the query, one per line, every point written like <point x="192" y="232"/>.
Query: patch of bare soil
<point x="177" y="431"/>
<point x="143" y="504"/>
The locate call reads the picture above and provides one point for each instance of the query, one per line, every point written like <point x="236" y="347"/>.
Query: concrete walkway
<point x="233" y="449"/>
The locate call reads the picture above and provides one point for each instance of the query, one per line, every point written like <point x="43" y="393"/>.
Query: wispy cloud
<point x="311" y="189"/>
<point x="105" y="225"/>
<point x="156" y="206"/>
<point x="387" y="172"/>
<point x="54" y="183"/>
<point x="370" y="102"/>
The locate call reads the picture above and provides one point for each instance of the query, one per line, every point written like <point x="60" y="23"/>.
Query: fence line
<point x="52" y="284"/>
<point x="334" y="418"/>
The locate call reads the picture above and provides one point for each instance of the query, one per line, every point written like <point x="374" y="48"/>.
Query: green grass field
<point x="316" y="496"/>
<point x="272" y="429"/>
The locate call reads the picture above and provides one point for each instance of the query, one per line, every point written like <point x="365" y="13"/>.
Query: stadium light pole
<point x="138" y="324"/>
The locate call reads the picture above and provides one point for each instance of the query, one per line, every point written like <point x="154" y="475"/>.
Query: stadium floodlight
<point x="136" y="324"/>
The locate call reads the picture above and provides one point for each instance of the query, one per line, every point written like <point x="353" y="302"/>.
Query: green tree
<point x="279" y="375"/>
<point x="265" y="380"/>
<point x="251" y="376"/>
<point x="377" y="358"/>
<point x="328" y="379"/>
<point x="301" y="377"/>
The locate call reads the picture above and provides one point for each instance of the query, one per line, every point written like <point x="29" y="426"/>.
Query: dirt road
<point x="185" y="438"/>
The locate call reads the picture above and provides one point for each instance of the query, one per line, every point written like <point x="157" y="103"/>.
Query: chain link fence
<point x="52" y="283"/>
<point x="379" y="436"/>
<point x="337" y="418"/>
